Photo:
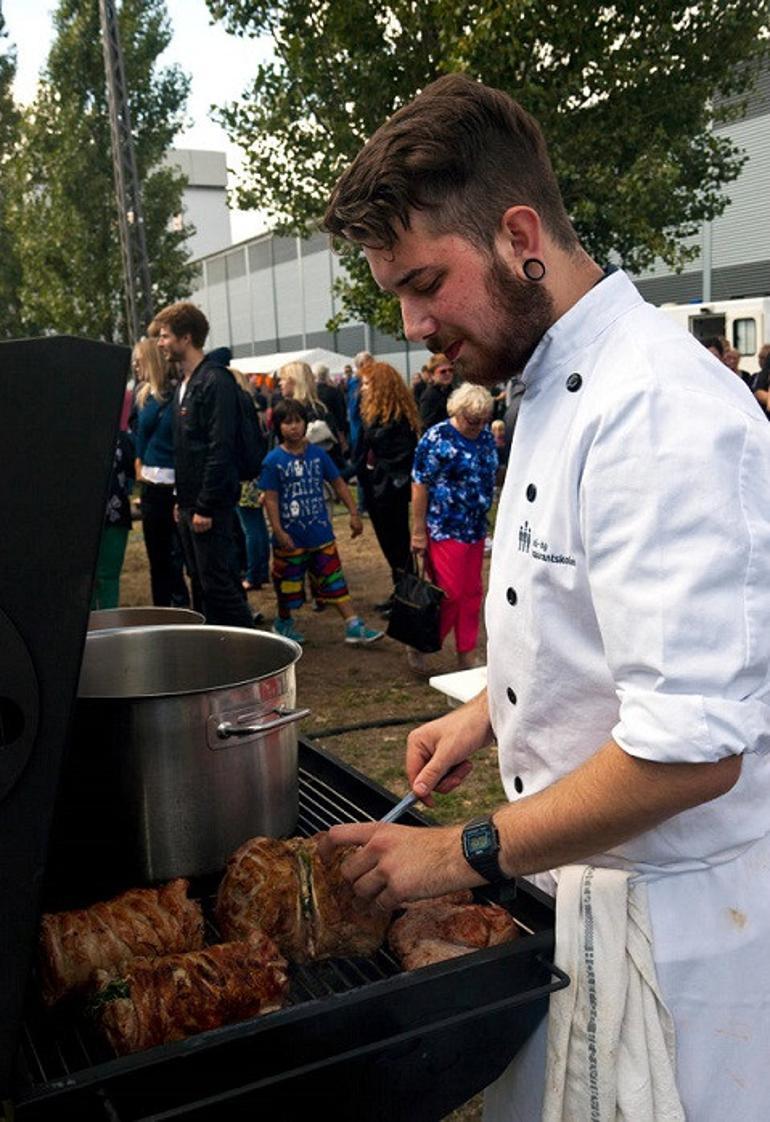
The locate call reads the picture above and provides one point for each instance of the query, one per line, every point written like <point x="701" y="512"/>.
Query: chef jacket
<point x="629" y="594"/>
<point x="629" y="598"/>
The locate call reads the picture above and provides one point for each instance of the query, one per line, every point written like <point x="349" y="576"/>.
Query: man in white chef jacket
<point x="628" y="611"/>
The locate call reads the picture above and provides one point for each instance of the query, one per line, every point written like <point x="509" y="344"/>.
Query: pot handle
<point x="283" y="716"/>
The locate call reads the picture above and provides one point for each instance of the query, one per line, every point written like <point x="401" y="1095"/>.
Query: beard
<point x="525" y="311"/>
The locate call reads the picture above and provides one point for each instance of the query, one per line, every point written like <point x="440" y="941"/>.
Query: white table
<point x="460" y="686"/>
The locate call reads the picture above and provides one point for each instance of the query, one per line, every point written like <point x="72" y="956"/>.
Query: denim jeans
<point x="252" y="520"/>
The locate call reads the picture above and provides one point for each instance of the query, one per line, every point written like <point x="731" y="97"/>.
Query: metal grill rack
<point x="353" y="1012"/>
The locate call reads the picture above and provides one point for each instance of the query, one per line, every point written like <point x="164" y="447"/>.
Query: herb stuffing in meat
<point x="285" y="889"/>
<point x="155" y="1001"/>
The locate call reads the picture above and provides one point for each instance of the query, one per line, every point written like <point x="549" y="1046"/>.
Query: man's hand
<point x="200" y="524"/>
<point x="400" y="863"/>
<point x="432" y="749"/>
<point x="356" y="524"/>
<point x="176" y="513"/>
<point x="285" y="541"/>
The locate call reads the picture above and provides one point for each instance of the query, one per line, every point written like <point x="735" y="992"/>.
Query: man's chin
<point x="480" y="373"/>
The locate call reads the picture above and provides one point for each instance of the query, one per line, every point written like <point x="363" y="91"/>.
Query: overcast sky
<point x="221" y="67"/>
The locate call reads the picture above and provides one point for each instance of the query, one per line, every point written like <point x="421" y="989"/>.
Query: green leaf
<point x="625" y="94"/>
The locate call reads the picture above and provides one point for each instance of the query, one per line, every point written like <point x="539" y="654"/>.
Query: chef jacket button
<point x="511" y="696"/>
<point x="531" y="492"/>
<point x="574" y="382"/>
<point x="518" y="786"/>
<point x="511" y="596"/>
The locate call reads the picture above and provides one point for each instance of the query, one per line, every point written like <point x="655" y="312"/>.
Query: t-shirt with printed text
<point x="298" y="478"/>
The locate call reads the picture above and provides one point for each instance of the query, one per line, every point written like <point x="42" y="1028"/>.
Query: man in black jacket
<point x="434" y="398"/>
<point x="207" y="484"/>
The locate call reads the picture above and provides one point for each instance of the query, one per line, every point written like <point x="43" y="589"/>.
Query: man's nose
<point x="418" y="324"/>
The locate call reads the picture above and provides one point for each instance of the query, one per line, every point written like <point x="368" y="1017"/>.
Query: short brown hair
<point x="184" y="318"/>
<point x="462" y="152"/>
<point x="435" y="361"/>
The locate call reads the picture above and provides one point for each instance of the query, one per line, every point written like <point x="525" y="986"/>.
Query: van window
<point x="745" y="336"/>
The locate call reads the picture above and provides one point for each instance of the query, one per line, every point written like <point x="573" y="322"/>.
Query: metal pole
<point x="133" y="245"/>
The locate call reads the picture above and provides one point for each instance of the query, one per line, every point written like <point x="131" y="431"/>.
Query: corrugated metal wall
<point x="275" y="294"/>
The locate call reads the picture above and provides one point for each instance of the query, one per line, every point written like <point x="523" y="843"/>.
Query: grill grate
<point x="55" y="1044"/>
<point x="392" y="1039"/>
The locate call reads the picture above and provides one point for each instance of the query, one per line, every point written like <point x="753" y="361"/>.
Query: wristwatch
<point x="481" y="846"/>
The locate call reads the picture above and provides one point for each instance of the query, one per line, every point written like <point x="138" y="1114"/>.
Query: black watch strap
<point x="486" y="863"/>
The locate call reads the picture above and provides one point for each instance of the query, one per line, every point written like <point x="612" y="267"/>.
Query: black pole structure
<point x="133" y="242"/>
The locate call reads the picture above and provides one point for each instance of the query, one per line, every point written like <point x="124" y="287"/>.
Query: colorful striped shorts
<point x="322" y="566"/>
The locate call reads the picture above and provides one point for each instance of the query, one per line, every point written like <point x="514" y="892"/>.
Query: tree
<point x="624" y="92"/>
<point x="10" y="272"/>
<point x="63" y="202"/>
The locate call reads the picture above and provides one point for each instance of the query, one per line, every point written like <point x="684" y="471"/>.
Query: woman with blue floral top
<point x="453" y="482"/>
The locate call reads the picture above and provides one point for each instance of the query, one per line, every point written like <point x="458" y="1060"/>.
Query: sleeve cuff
<point x="690" y="728"/>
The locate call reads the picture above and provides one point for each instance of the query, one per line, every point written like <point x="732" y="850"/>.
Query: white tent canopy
<point x="266" y="364"/>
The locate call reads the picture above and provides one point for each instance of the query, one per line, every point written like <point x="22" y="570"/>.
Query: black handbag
<point x="416" y="610"/>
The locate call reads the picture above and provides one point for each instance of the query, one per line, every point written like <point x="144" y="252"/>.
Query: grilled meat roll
<point x="285" y="889"/>
<point x="155" y="1001"/>
<point x="144" y="922"/>
<point x="446" y="927"/>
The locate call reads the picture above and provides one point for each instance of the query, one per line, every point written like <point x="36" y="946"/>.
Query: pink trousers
<point x="456" y="567"/>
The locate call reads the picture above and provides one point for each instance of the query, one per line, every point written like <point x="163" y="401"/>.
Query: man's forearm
<point x="608" y="800"/>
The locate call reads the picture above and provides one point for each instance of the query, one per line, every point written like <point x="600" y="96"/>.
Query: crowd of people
<point x="421" y="460"/>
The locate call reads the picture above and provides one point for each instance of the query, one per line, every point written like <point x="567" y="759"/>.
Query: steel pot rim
<point x="185" y="634"/>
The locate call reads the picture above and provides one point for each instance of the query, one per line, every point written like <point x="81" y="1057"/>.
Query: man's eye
<point x="427" y="289"/>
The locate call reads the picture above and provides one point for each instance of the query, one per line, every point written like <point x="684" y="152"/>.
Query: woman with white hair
<point x="455" y="464"/>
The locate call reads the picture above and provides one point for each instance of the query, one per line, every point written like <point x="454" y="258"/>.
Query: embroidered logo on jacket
<point x="525" y="537"/>
<point x="539" y="548"/>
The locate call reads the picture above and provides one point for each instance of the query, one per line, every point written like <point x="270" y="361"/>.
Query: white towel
<point x="611" y="1045"/>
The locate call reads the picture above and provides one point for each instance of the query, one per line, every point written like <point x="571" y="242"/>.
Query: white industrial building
<point x="274" y="294"/>
<point x="204" y="201"/>
<point x="734" y="250"/>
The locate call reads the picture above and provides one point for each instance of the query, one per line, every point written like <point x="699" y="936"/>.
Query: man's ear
<point x="520" y="236"/>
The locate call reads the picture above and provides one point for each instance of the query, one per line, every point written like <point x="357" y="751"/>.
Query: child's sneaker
<point x="356" y="631"/>
<point x="286" y="628"/>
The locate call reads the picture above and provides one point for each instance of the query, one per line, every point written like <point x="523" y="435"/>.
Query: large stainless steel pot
<point x="184" y="746"/>
<point x="108" y="618"/>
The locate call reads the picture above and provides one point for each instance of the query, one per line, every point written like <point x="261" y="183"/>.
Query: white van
<point x="745" y="322"/>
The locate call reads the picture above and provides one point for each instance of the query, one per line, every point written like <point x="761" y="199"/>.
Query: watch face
<point x="478" y="840"/>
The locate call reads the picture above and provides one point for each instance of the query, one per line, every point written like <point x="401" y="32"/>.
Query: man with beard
<point x="628" y="625"/>
<point x="207" y="484"/>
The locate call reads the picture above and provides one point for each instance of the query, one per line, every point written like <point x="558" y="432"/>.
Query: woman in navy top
<point x="455" y="464"/>
<point x="155" y="469"/>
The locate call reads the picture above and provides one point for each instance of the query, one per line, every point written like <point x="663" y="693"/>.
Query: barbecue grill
<point x="359" y="1039"/>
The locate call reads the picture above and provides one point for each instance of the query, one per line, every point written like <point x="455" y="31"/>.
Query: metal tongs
<point x="410" y="799"/>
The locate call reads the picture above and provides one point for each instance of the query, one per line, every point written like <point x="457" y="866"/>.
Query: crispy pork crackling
<point x="285" y="889"/>
<point x="155" y="1001"/>
<point x="144" y="922"/>
<point x="446" y="927"/>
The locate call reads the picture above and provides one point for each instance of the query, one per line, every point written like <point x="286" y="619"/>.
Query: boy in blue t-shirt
<point x="292" y="479"/>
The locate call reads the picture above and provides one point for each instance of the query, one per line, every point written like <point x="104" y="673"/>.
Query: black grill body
<point x="60" y="402"/>
<point x="360" y="1039"/>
